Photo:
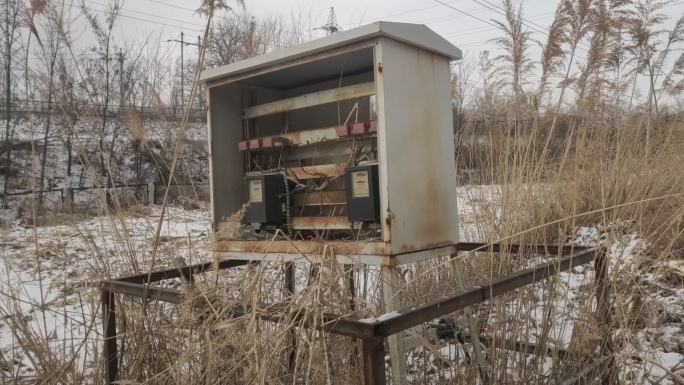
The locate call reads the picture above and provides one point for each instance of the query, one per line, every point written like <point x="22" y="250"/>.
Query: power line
<point x="486" y="29"/>
<point x="173" y="5"/>
<point x="405" y="12"/>
<point x="503" y="13"/>
<point x="149" y="14"/>
<point x="484" y="21"/>
<point x="454" y="15"/>
<point x="466" y="13"/>
<point x="500" y="10"/>
<point x="144" y="20"/>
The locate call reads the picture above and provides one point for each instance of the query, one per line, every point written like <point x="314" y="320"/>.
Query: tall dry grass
<point x="538" y="174"/>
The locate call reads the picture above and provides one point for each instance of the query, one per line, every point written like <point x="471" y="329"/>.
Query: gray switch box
<point x="363" y="197"/>
<point x="264" y="195"/>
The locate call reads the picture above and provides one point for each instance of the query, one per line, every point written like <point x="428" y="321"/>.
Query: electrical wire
<point x="501" y="11"/>
<point x="148" y="14"/>
<point x="172" y="5"/>
<point x="142" y="19"/>
<point x="486" y="22"/>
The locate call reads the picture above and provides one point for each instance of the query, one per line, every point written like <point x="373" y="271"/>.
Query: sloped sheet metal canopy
<point x="414" y="34"/>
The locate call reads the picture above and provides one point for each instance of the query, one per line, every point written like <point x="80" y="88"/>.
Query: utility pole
<point x="182" y="99"/>
<point x="182" y="44"/>
<point x="199" y="53"/>
<point x="120" y="58"/>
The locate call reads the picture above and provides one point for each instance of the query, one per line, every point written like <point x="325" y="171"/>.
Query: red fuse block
<point x="279" y="142"/>
<point x="272" y="142"/>
<point x="358" y="128"/>
<point x="243" y="146"/>
<point x="373" y="126"/>
<point x="267" y="142"/>
<point x="342" y="131"/>
<point x="254" y="144"/>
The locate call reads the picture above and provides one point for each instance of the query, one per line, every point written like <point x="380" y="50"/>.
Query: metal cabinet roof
<point x="417" y="35"/>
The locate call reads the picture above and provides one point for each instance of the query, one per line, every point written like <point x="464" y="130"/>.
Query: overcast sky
<point x="466" y="23"/>
<point x="470" y="32"/>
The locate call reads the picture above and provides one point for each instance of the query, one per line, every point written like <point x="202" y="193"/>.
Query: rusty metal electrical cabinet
<point x="375" y="95"/>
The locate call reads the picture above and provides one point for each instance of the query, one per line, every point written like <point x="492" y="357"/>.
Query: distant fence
<point x="147" y="193"/>
<point x="26" y="107"/>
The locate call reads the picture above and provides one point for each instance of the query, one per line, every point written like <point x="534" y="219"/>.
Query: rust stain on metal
<point x="322" y="198"/>
<point x="428" y="246"/>
<point x="303" y="247"/>
<point x="321" y="223"/>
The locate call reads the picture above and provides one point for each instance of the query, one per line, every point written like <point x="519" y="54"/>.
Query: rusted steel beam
<point x="321" y="223"/>
<point x="604" y="316"/>
<point x="392" y="323"/>
<point x="307" y="248"/>
<point x="332" y="323"/>
<point x="309" y="100"/>
<point x="162" y="294"/>
<point x="373" y="354"/>
<point x="215" y="81"/>
<point x="170" y="273"/>
<point x="109" y="353"/>
<point x="323" y="198"/>
<point x="517" y="249"/>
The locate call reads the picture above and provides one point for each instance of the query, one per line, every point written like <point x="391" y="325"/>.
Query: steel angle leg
<point x="289" y="290"/>
<point x="373" y="361"/>
<point x="109" y="351"/>
<point x="392" y="297"/>
<point x="472" y="325"/>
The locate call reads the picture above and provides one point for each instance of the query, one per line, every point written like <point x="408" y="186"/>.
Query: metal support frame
<point x="374" y="332"/>
<point x="391" y="290"/>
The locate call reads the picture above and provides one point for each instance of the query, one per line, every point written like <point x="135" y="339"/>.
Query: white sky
<point x="466" y="32"/>
<point x="472" y="34"/>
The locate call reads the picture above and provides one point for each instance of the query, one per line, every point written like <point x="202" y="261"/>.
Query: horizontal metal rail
<point x="392" y="323"/>
<point x="517" y="249"/>
<point x="20" y="106"/>
<point x="310" y="100"/>
<point x="85" y="188"/>
<point x="371" y="331"/>
<point x="382" y="326"/>
<point x="176" y="272"/>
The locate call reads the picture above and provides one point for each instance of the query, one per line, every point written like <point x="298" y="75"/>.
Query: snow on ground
<point x="55" y="268"/>
<point x="653" y="350"/>
<point x="47" y="273"/>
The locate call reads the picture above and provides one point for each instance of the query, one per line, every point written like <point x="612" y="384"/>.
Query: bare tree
<point x="10" y="32"/>
<point x="69" y="105"/>
<point x="53" y="34"/>
<point x="101" y="71"/>
<point x="237" y="37"/>
<point x="461" y="91"/>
